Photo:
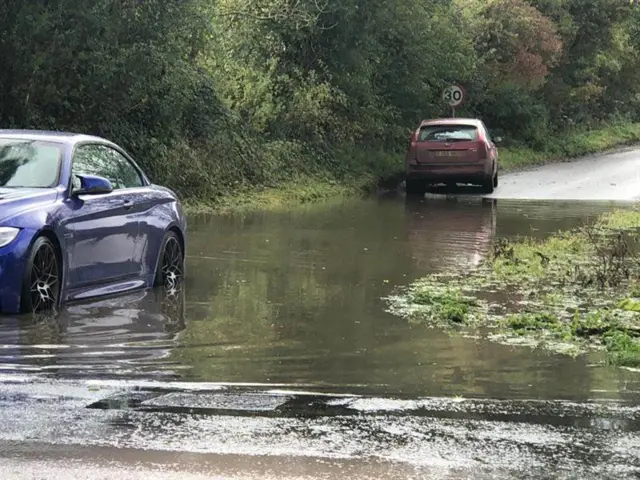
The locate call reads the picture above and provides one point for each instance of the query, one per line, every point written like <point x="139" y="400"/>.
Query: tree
<point x="517" y="43"/>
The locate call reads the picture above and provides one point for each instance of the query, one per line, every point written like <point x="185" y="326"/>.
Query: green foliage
<point x="629" y="304"/>
<point x="622" y="349"/>
<point x="514" y="111"/>
<point x="532" y="321"/>
<point x="226" y="96"/>
<point x="517" y="43"/>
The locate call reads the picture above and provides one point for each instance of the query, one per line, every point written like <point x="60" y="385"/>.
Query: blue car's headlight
<point x="8" y="235"/>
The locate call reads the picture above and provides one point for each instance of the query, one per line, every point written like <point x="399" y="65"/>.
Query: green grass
<point x="354" y="173"/>
<point x="622" y="349"/>
<point x="571" y="145"/>
<point x="567" y="292"/>
<point x="302" y="192"/>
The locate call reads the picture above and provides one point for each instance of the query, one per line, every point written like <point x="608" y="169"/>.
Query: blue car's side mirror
<point x="93" y="185"/>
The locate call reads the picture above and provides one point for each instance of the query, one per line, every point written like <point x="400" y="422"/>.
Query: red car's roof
<point x="451" y="121"/>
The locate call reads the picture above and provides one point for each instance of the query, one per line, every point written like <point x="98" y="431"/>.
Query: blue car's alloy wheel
<point x="41" y="285"/>
<point x="171" y="263"/>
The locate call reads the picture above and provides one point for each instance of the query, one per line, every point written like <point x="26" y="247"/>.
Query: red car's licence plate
<point x="447" y="153"/>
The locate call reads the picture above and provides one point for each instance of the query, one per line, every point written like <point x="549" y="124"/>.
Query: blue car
<point x="79" y="219"/>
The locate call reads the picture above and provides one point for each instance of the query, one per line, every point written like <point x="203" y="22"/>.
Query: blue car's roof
<point x="47" y="136"/>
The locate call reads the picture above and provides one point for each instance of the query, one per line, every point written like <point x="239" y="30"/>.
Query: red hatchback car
<point x="450" y="151"/>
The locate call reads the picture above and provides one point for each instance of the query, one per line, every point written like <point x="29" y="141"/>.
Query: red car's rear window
<point x="448" y="133"/>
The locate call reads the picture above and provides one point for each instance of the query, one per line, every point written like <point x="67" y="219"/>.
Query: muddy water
<point x="294" y="297"/>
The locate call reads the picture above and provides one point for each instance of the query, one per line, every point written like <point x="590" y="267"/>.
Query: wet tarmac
<point x="277" y="359"/>
<point x="612" y="176"/>
<point x="379" y="437"/>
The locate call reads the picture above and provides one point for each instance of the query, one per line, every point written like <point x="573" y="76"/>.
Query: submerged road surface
<point x="278" y="360"/>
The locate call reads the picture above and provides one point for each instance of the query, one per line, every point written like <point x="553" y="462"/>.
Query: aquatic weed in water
<point x="622" y="349"/>
<point x="562" y="293"/>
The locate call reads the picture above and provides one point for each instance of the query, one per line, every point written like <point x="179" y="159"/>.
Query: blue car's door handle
<point x="127" y="204"/>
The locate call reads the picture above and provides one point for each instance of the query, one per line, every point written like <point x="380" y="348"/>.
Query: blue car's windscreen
<point x="28" y="163"/>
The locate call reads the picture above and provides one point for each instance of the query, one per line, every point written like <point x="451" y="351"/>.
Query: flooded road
<point x="282" y="335"/>
<point x="295" y="298"/>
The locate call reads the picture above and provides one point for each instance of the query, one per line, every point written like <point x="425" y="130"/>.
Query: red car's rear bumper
<point x="446" y="172"/>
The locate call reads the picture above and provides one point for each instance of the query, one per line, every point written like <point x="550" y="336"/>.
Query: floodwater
<point x="295" y="298"/>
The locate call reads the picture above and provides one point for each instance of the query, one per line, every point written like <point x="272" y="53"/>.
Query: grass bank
<point x="571" y="145"/>
<point x="575" y="291"/>
<point x="355" y="172"/>
<point x="303" y="191"/>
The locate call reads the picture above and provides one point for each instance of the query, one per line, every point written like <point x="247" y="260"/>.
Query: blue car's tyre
<point x="41" y="282"/>
<point x="170" y="270"/>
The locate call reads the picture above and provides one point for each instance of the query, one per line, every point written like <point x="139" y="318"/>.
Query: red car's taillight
<point x="411" y="153"/>
<point x="482" y="150"/>
<point x="414" y="138"/>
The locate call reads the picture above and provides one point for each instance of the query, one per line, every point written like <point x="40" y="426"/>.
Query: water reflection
<point x="294" y="297"/>
<point x="131" y="334"/>
<point x="450" y="230"/>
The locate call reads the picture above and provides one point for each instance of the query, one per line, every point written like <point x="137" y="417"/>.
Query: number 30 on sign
<point x="453" y="95"/>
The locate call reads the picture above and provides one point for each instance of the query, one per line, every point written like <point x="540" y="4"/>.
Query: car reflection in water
<point x="450" y="231"/>
<point x="131" y="336"/>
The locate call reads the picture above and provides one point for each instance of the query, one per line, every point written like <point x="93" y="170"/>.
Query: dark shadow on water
<point x="459" y="189"/>
<point x="250" y="402"/>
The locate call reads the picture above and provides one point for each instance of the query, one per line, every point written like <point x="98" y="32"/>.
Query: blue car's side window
<point x="129" y="176"/>
<point x="106" y="162"/>
<point x="90" y="160"/>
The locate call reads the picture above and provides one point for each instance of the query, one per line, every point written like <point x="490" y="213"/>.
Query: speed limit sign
<point x="453" y="95"/>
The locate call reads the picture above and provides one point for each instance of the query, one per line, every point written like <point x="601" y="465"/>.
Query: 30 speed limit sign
<point x="453" y="95"/>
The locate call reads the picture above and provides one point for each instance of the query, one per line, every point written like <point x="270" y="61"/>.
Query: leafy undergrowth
<point x="573" y="291"/>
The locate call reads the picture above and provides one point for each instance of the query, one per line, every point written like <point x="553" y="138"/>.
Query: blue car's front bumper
<point x="13" y="260"/>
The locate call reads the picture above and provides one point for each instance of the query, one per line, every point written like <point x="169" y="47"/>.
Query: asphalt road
<point x="110" y="429"/>
<point x="611" y="176"/>
<point x="53" y="429"/>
